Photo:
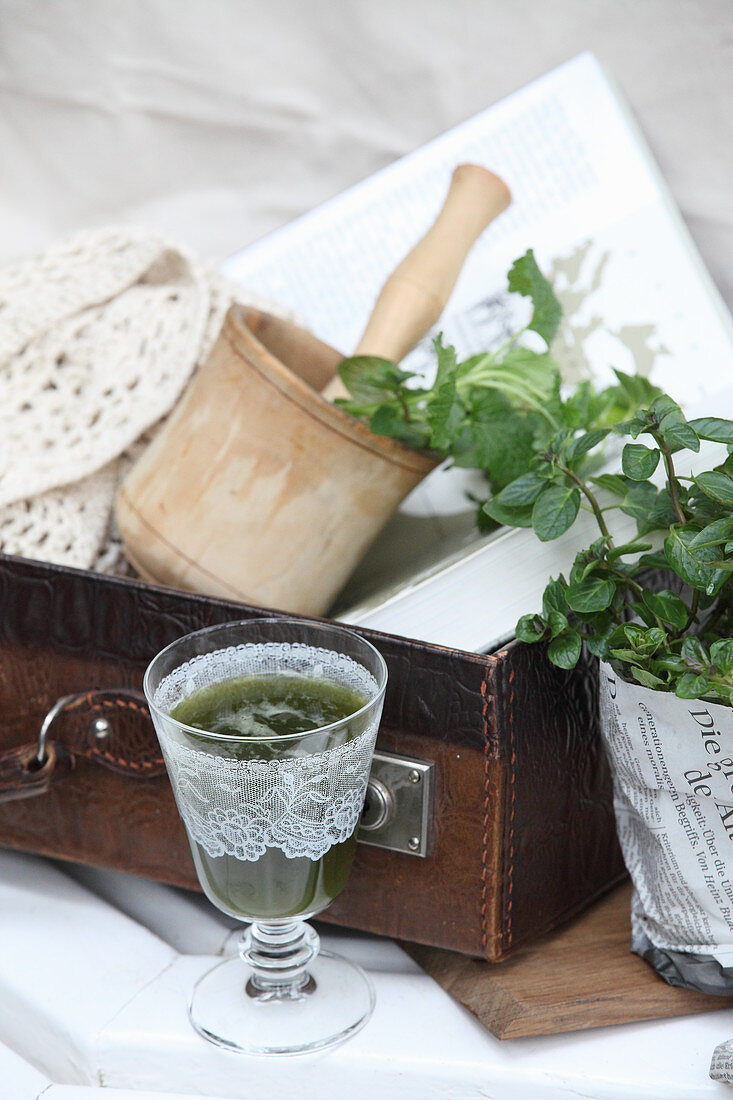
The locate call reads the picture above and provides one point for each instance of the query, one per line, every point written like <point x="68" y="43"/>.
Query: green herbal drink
<point x="253" y="709"/>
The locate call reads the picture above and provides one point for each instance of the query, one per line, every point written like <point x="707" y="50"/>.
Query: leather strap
<point x="21" y="776"/>
<point x="110" y="727"/>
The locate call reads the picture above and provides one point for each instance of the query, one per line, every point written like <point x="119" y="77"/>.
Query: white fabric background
<point x="219" y="120"/>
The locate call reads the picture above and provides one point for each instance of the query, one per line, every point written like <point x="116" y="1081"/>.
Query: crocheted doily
<point x="98" y="338"/>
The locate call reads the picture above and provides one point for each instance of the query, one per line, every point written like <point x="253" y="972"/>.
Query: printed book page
<point x="588" y="198"/>
<point x="583" y="188"/>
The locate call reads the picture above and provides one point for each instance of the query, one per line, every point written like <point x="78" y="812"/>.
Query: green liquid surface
<point x="260" y="706"/>
<point x="252" y="708"/>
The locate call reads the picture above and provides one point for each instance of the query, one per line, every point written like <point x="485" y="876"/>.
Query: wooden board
<point x="581" y="976"/>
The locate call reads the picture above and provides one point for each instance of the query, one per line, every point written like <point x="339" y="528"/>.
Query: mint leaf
<point x="666" y="606"/>
<point x="721" y="654"/>
<point x="680" y="435"/>
<point x="639" y="500"/>
<point x="639" y="462"/>
<point x="582" y="444"/>
<point x="597" y="642"/>
<point x="501" y="445"/>
<point x="553" y="598"/>
<point x="638" y="390"/>
<point x="645" y="641"/>
<point x="525" y="490"/>
<point x="646" y="678"/>
<point x="491" y="412"/>
<point x="693" y="649"/>
<point x="717" y="486"/>
<point x="555" y="511"/>
<point x="635" y="547"/>
<point x="388" y="420"/>
<point x="661" y="513"/>
<point x="508" y="517"/>
<point x="591" y="594"/>
<point x="713" y="428"/>
<point x="557" y="622"/>
<point x="664" y="407"/>
<point x="720" y="530"/>
<point x="693" y="565"/>
<point x="564" y="651"/>
<point x="691" y="686"/>
<point x="530" y="628"/>
<point x="613" y="483"/>
<point x="370" y="380"/>
<point x="525" y="278"/>
<point x="444" y="411"/>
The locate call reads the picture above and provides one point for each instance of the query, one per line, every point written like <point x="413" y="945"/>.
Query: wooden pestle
<point x="416" y="293"/>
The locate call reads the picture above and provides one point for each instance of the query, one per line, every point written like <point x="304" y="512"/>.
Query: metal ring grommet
<point x="59" y="705"/>
<point x="46" y="765"/>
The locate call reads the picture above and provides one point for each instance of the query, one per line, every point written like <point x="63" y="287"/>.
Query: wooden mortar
<point x="257" y="488"/>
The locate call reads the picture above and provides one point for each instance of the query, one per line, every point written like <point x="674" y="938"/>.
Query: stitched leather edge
<point x="512" y="778"/>
<point x="102" y="757"/>
<point x="486" y="821"/>
<point x="510" y="944"/>
<point x="493" y="825"/>
<point x="501" y="942"/>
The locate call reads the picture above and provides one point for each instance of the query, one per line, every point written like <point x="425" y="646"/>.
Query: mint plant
<point x="679" y="638"/>
<point x="492" y="411"/>
<point x="504" y="413"/>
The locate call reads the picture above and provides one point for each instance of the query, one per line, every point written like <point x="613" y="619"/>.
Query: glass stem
<point x="279" y="952"/>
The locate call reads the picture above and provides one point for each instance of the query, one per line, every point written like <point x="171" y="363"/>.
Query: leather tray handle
<point x="110" y="727"/>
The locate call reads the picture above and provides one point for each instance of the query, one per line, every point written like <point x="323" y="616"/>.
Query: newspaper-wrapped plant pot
<point x="672" y="766"/>
<point x="666" y="654"/>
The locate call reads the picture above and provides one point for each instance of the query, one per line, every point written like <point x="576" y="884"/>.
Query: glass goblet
<point x="271" y="819"/>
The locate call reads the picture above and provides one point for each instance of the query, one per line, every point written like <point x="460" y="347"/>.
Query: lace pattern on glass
<point x="301" y="802"/>
<point x="302" y="805"/>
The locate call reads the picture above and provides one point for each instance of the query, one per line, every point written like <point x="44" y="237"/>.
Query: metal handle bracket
<point x="398" y="810"/>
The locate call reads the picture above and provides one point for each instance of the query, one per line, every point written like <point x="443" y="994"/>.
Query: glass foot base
<point x="333" y="1004"/>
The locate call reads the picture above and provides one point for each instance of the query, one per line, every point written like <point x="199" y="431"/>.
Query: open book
<point x="588" y="198"/>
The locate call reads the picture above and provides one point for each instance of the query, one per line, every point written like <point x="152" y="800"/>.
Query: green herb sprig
<point x="493" y="411"/>
<point x="674" y="639"/>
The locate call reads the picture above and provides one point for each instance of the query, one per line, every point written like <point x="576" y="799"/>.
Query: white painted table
<point x="95" y="970"/>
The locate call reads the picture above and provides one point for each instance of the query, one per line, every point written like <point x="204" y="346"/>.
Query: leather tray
<point x="522" y="832"/>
